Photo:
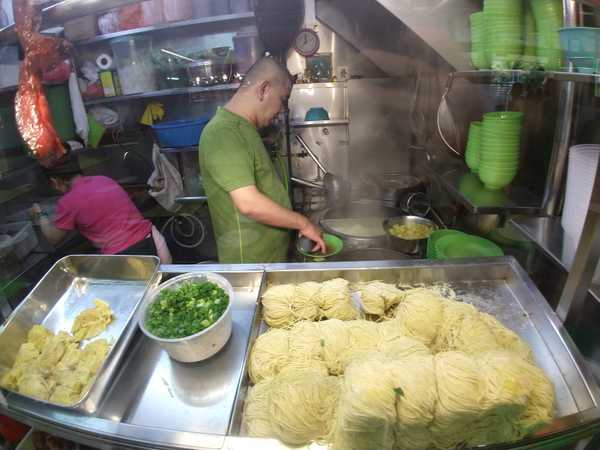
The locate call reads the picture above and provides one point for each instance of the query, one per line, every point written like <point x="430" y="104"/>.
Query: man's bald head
<point x="263" y="93"/>
<point x="268" y="70"/>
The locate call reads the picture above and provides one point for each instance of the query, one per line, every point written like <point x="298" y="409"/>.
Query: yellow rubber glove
<point x="154" y="112"/>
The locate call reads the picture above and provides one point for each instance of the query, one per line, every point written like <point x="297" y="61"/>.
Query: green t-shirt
<point x="232" y="155"/>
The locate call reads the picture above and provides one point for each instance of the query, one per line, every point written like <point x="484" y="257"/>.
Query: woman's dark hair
<point x="66" y="171"/>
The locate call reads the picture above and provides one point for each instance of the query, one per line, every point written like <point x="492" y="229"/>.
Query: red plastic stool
<point x="11" y="430"/>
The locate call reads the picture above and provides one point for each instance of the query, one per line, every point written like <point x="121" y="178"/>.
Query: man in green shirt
<point x="249" y="205"/>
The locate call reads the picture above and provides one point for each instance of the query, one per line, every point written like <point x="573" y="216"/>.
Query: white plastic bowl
<point x="204" y="344"/>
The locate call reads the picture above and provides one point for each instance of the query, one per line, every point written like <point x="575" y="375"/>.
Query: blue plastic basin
<point x="582" y="47"/>
<point x="180" y="133"/>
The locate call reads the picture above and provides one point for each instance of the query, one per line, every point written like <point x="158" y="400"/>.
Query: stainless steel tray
<point x="71" y="286"/>
<point x="498" y="286"/>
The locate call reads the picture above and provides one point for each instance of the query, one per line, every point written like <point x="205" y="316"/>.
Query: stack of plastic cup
<point x="499" y="151"/>
<point x="583" y="162"/>
<point x="503" y="27"/>
<point x="548" y="20"/>
<point x="478" y="54"/>
<point x="473" y="145"/>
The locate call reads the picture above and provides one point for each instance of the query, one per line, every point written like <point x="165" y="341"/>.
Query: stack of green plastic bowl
<point x="548" y="20"/>
<point x="504" y="32"/>
<point x="529" y="59"/>
<point x="499" y="151"/>
<point x="473" y="145"/>
<point x="478" y="54"/>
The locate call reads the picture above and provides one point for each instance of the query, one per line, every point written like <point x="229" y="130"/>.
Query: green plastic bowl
<point x="504" y="115"/>
<point x="465" y="246"/>
<point x="434" y="237"/>
<point x="334" y="246"/>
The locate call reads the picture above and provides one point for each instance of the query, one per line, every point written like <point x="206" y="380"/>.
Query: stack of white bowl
<point x="583" y="162"/>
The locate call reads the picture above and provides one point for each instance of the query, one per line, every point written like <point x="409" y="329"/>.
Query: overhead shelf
<point x="466" y="189"/>
<point x="547" y="233"/>
<point x="179" y="149"/>
<point x="319" y="123"/>
<point x="6" y="89"/>
<point x="194" y="199"/>
<point x="57" y="12"/>
<point x="227" y="19"/>
<point x="164" y="93"/>
<point x="520" y="75"/>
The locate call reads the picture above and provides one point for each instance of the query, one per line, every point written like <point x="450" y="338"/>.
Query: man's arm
<point x="253" y="204"/>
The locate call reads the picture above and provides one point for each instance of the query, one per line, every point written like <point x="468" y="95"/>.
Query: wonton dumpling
<point x="71" y="357"/>
<point x="38" y="336"/>
<point x="53" y="350"/>
<point x="33" y="384"/>
<point x="91" y="322"/>
<point x="93" y="355"/>
<point x="26" y="355"/>
<point x="64" y="396"/>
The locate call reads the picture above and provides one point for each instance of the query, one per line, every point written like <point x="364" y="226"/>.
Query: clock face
<point x="307" y="42"/>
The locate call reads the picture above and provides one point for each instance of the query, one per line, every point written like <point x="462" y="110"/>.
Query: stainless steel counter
<point x="158" y="403"/>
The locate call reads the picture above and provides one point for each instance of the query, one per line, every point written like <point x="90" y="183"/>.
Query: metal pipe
<point x="310" y="152"/>
<point x="288" y="152"/>
<point x="562" y="137"/>
<point x="307" y="183"/>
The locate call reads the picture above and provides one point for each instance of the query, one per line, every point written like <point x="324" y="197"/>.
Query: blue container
<point x="582" y="47"/>
<point x="180" y="133"/>
<point x="316" y="114"/>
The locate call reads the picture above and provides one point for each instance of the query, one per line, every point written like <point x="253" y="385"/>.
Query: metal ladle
<point x="336" y="188"/>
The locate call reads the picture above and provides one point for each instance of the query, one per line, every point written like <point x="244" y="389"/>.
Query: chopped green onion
<point x="186" y="310"/>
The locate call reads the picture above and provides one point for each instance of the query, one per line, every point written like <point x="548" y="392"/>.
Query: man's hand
<point x="313" y="233"/>
<point x="34" y="212"/>
<point x="252" y="203"/>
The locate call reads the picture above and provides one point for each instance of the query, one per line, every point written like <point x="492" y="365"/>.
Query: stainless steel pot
<point x="207" y="73"/>
<point x="409" y="246"/>
<point x="357" y="210"/>
<point x="202" y="345"/>
<point x="396" y="188"/>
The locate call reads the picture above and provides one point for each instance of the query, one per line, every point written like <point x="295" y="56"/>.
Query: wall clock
<point x="307" y="42"/>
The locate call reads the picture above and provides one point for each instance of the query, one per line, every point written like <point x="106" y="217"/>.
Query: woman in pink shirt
<point x="104" y="214"/>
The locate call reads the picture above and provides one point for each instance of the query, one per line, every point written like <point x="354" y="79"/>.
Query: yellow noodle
<point x="420" y="314"/>
<point x="302" y="405"/>
<point x="416" y="397"/>
<point x="270" y="354"/>
<point x="366" y="414"/>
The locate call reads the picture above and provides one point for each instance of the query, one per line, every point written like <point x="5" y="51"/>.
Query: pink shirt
<point x="103" y="213"/>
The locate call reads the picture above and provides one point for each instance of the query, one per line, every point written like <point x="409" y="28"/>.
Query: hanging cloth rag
<point x="165" y="182"/>
<point x="80" y="119"/>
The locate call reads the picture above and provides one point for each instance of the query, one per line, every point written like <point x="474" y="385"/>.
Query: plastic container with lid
<point x="133" y="57"/>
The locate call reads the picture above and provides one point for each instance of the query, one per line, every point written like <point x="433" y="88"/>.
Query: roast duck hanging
<point x="32" y="111"/>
